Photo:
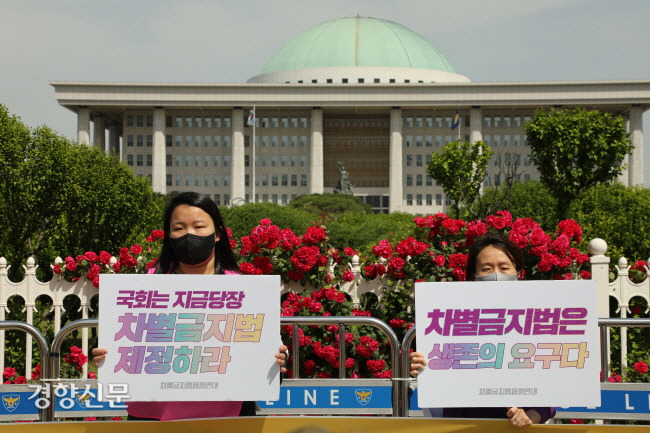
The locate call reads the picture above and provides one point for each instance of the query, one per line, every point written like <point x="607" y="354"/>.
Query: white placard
<point x="520" y="343"/>
<point x="191" y="337"/>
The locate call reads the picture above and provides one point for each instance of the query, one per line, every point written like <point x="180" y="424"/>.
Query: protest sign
<point x="520" y="343"/>
<point x="191" y="337"/>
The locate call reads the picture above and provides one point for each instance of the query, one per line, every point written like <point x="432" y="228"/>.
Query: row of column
<point x="99" y="122"/>
<point x="633" y="175"/>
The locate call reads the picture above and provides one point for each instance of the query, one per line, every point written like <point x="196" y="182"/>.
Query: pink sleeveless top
<point x="170" y="410"/>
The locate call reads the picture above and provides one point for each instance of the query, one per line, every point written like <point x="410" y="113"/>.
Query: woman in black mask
<point x="195" y="242"/>
<point x="491" y="258"/>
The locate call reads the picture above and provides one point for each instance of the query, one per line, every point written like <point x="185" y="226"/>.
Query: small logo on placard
<point x="363" y="396"/>
<point x="10" y="402"/>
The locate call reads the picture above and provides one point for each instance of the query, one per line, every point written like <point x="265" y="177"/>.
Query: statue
<point x="343" y="186"/>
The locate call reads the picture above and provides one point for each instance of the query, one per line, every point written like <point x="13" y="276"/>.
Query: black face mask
<point x="192" y="249"/>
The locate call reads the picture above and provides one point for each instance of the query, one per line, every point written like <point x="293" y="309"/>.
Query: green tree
<point x="618" y="214"/>
<point x="241" y="219"/>
<point x="59" y="198"/>
<point x="460" y="168"/>
<point x="330" y="203"/>
<point x="574" y="150"/>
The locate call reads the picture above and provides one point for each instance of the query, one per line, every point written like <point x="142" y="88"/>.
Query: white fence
<point x="30" y="288"/>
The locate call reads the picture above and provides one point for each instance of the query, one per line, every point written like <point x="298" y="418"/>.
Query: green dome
<point x="357" y="41"/>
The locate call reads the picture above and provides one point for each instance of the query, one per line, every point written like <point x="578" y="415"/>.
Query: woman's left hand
<point x="521" y="418"/>
<point x="281" y="358"/>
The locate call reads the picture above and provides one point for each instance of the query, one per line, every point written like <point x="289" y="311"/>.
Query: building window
<point x="247" y="161"/>
<point x="294" y="180"/>
<point x="207" y="140"/>
<point x="168" y="160"/>
<point x="149" y="121"/>
<point x="129" y="120"/>
<point x="226" y="122"/>
<point x="179" y="160"/>
<point x="140" y="140"/>
<point x="188" y="160"/>
<point x="265" y="180"/>
<point x="409" y="160"/>
<point x="188" y="122"/>
<point x="274" y="180"/>
<point x="129" y="140"/>
<point x="439" y="199"/>
<point x="206" y="160"/>
<point x="168" y="180"/>
<point x="140" y="160"/>
<point x="409" y="180"/>
<point x="285" y="180"/>
<point x="487" y="121"/>
<point x="179" y="140"/>
<point x="188" y="179"/>
<point x="285" y="122"/>
<point x="418" y="160"/>
<point x="129" y="160"/>
<point x="217" y="160"/>
<point x="208" y="122"/>
<point x="149" y="140"/>
<point x="497" y="121"/>
<point x="197" y="160"/>
<point x="506" y="121"/>
<point x="168" y="140"/>
<point x="179" y="124"/>
<point x="226" y="180"/>
<point x="418" y="180"/>
<point x="188" y="140"/>
<point x="429" y="198"/>
<point x="179" y="180"/>
<point x="418" y="199"/>
<point x="409" y="199"/>
<point x="344" y="80"/>
<point x="274" y="161"/>
<point x="409" y="140"/>
<point x="429" y="141"/>
<point x="149" y="160"/>
<point x="429" y="181"/>
<point x="303" y="180"/>
<point x="226" y="160"/>
<point x="438" y="121"/>
<point x="139" y="121"/>
<point x="303" y="161"/>
<point x="517" y="121"/>
<point x="447" y="199"/>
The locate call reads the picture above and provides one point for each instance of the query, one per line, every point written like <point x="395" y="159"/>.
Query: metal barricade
<point x="16" y="392"/>
<point x="80" y="404"/>
<point x="358" y="391"/>
<point x="607" y="388"/>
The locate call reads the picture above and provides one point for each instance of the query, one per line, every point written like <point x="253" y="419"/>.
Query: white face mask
<point x="496" y="276"/>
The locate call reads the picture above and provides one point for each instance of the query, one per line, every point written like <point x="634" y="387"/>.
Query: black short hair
<point x="224" y="257"/>
<point x="490" y="239"/>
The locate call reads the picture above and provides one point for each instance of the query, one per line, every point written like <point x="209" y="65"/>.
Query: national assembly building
<point x="366" y="92"/>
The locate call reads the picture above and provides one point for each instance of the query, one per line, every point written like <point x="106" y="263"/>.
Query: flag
<point x="456" y="122"/>
<point x="251" y="118"/>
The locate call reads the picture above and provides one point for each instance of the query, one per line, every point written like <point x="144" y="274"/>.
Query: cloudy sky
<point x="229" y="41"/>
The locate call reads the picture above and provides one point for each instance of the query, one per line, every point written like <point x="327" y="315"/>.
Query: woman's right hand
<point x="98" y="355"/>
<point x="418" y="363"/>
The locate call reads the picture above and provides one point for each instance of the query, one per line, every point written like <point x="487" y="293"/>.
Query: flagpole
<point x="253" y="162"/>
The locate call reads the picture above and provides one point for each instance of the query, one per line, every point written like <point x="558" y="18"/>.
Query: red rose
<point x="263" y="263"/>
<point x="247" y="268"/>
<point x="92" y="375"/>
<point x="397" y="322"/>
<point x="585" y="275"/>
<point x="376" y="365"/>
<point x="614" y="378"/>
<point x="91" y="256"/>
<point x="350" y="252"/>
<point x="295" y="275"/>
<point x="314" y="235"/>
<point x="347" y="276"/>
<point x="453" y="226"/>
<point x="104" y="257"/>
<point x="439" y="260"/>
<point x="382" y="249"/>
<point x="136" y="249"/>
<point x="349" y="362"/>
<point x="305" y="258"/>
<point x="576" y="421"/>
<point x="56" y="269"/>
<point x="641" y="367"/>
<point x="9" y="372"/>
<point x="71" y="266"/>
<point x="324" y="375"/>
<point x="363" y="351"/>
<point x="20" y="379"/>
<point x="265" y="222"/>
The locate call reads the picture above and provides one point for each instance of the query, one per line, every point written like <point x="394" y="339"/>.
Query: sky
<point x="230" y="41"/>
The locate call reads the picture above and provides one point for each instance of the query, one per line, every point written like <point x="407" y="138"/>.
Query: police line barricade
<point x="619" y="401"/>
<point x="18" y="401"/>
<point x="79" y="398"/>
<point x="339" y="396"/>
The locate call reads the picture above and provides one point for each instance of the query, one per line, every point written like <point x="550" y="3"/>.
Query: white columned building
<point x="321" y="99"/>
